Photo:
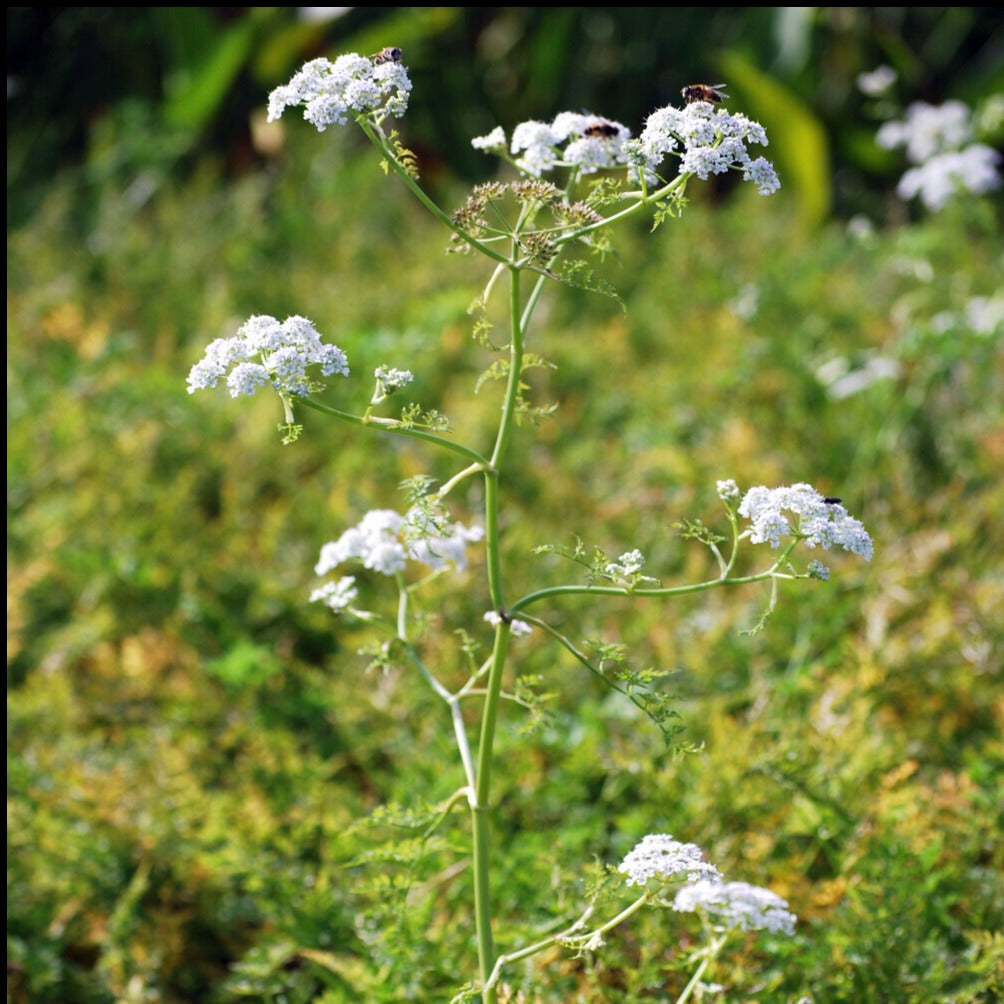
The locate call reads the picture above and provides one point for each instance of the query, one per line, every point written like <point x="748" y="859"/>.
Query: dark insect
<point x="703" y="92"/>
<point x="832" y="500"/>
<point x="391" y="54"/>
<point x="602" y="130"/>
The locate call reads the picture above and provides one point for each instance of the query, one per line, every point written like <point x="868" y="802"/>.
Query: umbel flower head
<point x="266" y="353"/>
<point x="800" y="511"/>
<point x="736" y="906"/>
<point x="708" y="140"/>
<point x="351" y="86"/>
<point x="659" y="856"/>
<point x="937" y="139"/>
<point x="384" y="541"/>
<point x="588" y="142"/>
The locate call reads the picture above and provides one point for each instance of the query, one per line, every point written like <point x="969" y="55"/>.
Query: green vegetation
<point x="204" y="804"/>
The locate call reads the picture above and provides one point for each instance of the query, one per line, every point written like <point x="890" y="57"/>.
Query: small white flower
<point x="728" y="491"/>
<point x="761" y="173"/>
<point x="817" y="570"/>
<point x="927" y="130"/>
<point x="876" y="81"/>
<point x="841" y="381"/>
<point x="985" y="315"/>
<point x="945" y="175"/>
<point x="538" y="144"/>
<point x="494" y="141"/>
<point x="659" y="856"/>
<point x="628" y="564"/>
<point x="391" y="379"/>
<point x="337" y="595"/>
<point x="516" y="626"/>
<point x="737" y="905"/>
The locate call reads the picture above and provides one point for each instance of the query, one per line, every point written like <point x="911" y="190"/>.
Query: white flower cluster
<point x="516" y="626"/>
<point x="352" y="85"/>
<point x="573" y="139"/>
<point x="493" y="142"/>
<point x="628" y="564"/>
<point x="876" y="82"/>
<point x="737" y="905"/>
<point x="937" y="139"/>
<point x="384" y="541"/>
<point x="265" y="352"/>
<point x="659" y="856"/>
<point x="391" y="379"/>
<point x="728" y="492"/>
<point x="729" y="905"/>
<point x="820" y="523"/>
<point x="338" y="595"/>
<point x="927" y="130"/>
<point x="817" y="570"/>
<point x="708" y="140"/>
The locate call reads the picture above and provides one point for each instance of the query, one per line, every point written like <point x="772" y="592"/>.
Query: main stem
<point x="480" y="807"/>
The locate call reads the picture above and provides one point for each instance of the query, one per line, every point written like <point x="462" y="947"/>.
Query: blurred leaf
<point x="197" y="89"/>
<point x="798" y="143"/>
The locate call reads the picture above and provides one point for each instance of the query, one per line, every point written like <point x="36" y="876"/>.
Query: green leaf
<point x="798" y="147"/>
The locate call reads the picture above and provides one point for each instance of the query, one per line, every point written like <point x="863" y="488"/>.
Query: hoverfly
<point x="391" y="54"/>
<point x="704" y="92"/>
<point x="601" y="130"/>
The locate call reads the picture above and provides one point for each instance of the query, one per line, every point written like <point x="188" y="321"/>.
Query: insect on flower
<point x="833" y="500"/>
<point x="391" y="54"/>
<point x="704" y="92"/>
<point x="601" y="130"/>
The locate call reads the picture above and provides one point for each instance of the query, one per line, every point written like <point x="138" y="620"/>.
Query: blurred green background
<point x="191" y="745"/>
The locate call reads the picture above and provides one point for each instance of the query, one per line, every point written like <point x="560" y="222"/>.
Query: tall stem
<point x="481" y="821"/>
<point x="481" y="805"/>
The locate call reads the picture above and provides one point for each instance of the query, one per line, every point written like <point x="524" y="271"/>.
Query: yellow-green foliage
<point x="190" y="743"/>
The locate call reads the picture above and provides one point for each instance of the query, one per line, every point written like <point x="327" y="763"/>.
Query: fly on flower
<point x="833" y="500"/>
<point x="390" y="54"/>
<point x="704" y="92"/>
<point x="601" y="130"/>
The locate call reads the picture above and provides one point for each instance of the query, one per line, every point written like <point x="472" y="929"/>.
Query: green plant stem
<point x="480" y="809"/>
<point x="375" y="133"/>
<point x="567" y="936"/>
<point x="392" y="425"/>
<point x="710" y="954"/>
<point x="678" y="182"/>
<point x="510" y="403"/>
<point x="696" y="587"/>
<point x="482" y="801"/>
